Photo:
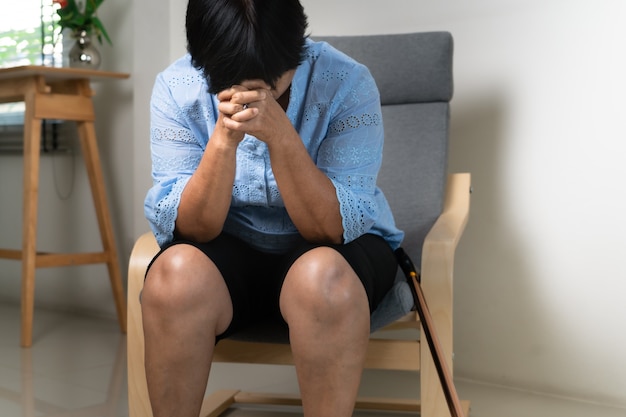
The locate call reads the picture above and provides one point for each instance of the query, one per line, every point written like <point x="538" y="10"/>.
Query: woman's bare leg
<point x="326" y="308"/>
<point x="185" y="303"/>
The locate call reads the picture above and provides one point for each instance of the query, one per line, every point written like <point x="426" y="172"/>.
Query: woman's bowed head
<point x="261" y="41"/>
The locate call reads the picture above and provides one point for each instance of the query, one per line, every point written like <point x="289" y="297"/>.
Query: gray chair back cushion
<point x="413" y="73"/>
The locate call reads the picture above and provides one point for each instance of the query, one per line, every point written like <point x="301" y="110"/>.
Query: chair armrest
<point x="438" y="257"/>
<point x="442" y="239"/>
<point x="450" y="225"/>
<point x="143" y="251"/>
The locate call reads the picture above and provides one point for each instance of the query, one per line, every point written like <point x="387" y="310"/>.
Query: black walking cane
<point x="413" y="278"/>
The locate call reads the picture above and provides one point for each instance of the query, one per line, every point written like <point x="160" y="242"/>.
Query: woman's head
<point x="236" y="40"/>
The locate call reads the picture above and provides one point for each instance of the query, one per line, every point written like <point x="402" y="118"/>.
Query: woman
<point x="265" y="149"/>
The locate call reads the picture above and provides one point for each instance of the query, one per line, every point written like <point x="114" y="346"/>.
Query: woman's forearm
<point x="206" y="199"/>
<point x="309" y="196"/>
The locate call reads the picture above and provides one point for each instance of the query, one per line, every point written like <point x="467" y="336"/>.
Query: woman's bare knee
<point x="322" y="282"/>
<point x="183" y="279"/>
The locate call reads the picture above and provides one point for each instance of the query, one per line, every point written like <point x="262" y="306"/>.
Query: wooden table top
<point x="58" y="73"/>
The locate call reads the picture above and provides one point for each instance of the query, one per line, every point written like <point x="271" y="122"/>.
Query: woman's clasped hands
<point x="253" y="108"/>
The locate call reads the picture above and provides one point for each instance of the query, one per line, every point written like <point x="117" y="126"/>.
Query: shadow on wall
<point x="511" y="328"/>
<point x="498" y="321"/>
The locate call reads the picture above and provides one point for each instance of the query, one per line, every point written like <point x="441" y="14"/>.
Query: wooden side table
<point x="62" y="94"/>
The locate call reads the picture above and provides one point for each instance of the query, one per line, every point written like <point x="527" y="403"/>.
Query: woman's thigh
<point x="254" y="279"/>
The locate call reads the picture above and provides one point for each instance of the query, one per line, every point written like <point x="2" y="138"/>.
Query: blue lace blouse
<point x="335" y="107"/>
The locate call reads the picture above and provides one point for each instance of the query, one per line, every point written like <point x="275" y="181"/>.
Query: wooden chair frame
<point x="391" y="354"/>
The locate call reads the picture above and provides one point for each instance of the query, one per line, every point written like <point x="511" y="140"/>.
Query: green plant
<point x="80" y="15"/>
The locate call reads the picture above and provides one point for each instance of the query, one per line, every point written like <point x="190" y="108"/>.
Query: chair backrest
<point x="413" y="72"/>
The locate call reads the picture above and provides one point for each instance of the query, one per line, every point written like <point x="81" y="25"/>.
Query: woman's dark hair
<point x="236" y="40"/>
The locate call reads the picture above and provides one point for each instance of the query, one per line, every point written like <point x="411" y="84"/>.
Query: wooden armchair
<point x="414" y="76"/>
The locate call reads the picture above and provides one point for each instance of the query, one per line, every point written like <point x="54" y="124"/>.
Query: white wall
<point x="536" y="119"/>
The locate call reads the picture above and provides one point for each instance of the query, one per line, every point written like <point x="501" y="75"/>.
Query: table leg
<point x="32" y="144"/>
<point x="87" y="134"/>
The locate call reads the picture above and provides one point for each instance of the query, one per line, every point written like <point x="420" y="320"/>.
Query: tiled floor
<point x="77" y="368"/>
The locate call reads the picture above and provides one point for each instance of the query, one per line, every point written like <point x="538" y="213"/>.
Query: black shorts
<point x="254" y="279"/>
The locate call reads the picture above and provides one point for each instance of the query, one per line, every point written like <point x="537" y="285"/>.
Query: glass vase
<point x="83" y="53"/>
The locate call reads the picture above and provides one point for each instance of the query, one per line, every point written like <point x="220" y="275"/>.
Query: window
<point x="28" y="36"/>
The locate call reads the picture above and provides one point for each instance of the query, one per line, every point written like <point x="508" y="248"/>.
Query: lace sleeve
<point x="161" y="208"/>
<point x="175" y="153"/>
<point x="359" y="209"/>
<point x="351" y="155"/>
